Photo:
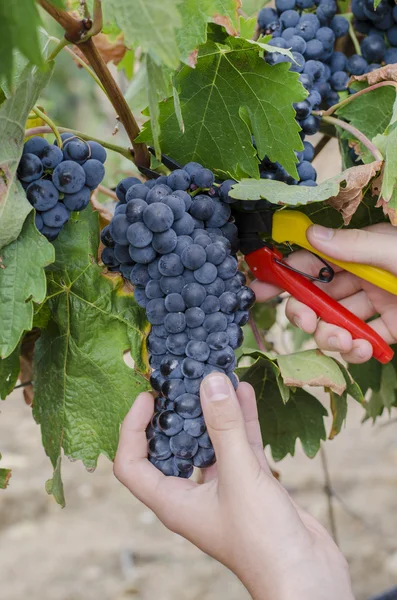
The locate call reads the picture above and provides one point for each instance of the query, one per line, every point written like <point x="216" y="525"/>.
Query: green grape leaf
<point x="283" y="423"/>
<point x="83" y="387"/>
<point x="387" y="144"/>
<point x="368" y="378"/>
<point x="22" y="282"/>
<point x="370" y="114"/>
<point x="251" y="7"/>
<point x="339" y="413"/>
<point x="264" y="314"/>
<point x="195" y="16"/>
<point x="231" y="94"/>
<point x="14" y="111"/>
<point x="385" y="397"/>
<point x="5" y="475"/>
<point x="150" y="25"/>
<point x="311" y="367"/>
<point x="9" y="371"/>
<point x="343" y="191"/>
<point x="19" y="25"/>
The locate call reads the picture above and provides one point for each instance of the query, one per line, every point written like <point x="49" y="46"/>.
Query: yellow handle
<point x="291" y="226"/>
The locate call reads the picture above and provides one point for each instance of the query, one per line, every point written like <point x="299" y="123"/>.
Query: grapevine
<point x="213" y="117"/>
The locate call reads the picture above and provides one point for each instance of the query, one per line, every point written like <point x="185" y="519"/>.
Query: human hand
<point x="240" y="514"/>
<point x="377" y="246"/>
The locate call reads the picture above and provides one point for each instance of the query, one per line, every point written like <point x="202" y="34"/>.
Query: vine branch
<point x="80" y="32"/>
<point x="353" y="97"/>
<point x="355" y="132"/>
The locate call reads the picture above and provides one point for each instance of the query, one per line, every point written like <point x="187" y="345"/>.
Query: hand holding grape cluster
<point x="178" y="250"/>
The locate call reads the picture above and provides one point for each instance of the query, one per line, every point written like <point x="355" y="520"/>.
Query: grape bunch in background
<point x="178" y="250"/>
<point x="59" y="181"/>
<point x="311" y="38"/>
<point x="380" y="27"/>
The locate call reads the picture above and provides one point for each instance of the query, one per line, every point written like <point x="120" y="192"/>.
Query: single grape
<point x="56" y="216"/>
<point x="51" y="233"/>
<point x="173" y="389"/>
<point x="50" y="156"/>
<point x="35" y="145"/>
<point x="165" y="242"/>
<point x="134" y="210"/>
<point x="176" y="204"/>
<point x="30" y="168"/>
<point x="139" y="190"/>
<point x="42" y="194"/>
<point x="184" y="225"/>
<point x="210" y="305"/>
<point x="157" y="193"/>
<point x="138" y="235"/>
<point x="178" y="180"/>
<point x="152" y="288"/>
<point x="123" y="256"/>
<point x="76" y="150"/>
<point x="176" y="343"/>
<point x="94" y="172"/>
<point x="77" y="201"/>
<point x="124" y="186"/>
<point x="175" y="322"/>
<point x="159" y="447"/>
<point x="97" y="151"/>
<point x="69" y="177"/>
<point x="175" y="303"/>
<point x="156" y="311"/>
<point x="158" y="217"/>
<point x="140" y="275"/>
<point x="204" y="457"/>
<point x="194" y="316"/>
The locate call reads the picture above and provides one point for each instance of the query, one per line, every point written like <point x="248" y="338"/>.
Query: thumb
<point x="355" y="245"/>
<point x="226" y="427"/>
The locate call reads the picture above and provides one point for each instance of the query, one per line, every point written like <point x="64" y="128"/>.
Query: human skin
<point x="376" y="246"/>
<point x="239" y="513"/>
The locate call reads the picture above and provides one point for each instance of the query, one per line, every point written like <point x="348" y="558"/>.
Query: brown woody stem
<point x="76" y="32"/>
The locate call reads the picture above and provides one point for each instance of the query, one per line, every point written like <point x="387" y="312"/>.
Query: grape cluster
<point x="178" y="250"/>
<point x="380" y="27"/>
<point x="59" y="181"/>
<point x="311" y="38"/>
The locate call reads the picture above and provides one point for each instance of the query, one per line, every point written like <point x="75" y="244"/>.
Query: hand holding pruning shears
<point x="375" y="246"/>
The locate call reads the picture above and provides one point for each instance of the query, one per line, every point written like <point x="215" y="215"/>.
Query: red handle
<point x="265" y="268"/>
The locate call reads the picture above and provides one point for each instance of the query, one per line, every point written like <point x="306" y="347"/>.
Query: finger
<point x="333" y="338"/>
<point x="356" y="245"/>
<point x="246" y="397"/>
<point x="361" y="352"/>
<point x="131" y="466"/>
<point x="264" y="291"/>
<point x="225" y="424"/>
<point x="301" y="315"/>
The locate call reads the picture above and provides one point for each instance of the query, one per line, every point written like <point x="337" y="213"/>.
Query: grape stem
<point x="107" y="192"/>
<point x="354" y="39"/>
<point x="126" y="152"/>
<point x="356" y="133"/>
<point x="353" y="97"/>
<point x="257" y="335"/>
<point x="80" y="32"/>
<point x="39" y="113"/>
<point x="60" y="46"/>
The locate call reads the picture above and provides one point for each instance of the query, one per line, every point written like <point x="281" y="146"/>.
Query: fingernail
<point x="297" y="322"/>
<point x="333" y="342"/>
<point x="322" y="233"/>
<point x="216" y="387"/>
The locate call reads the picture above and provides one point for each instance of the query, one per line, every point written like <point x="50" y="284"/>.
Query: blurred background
<point x="106" y="545"/>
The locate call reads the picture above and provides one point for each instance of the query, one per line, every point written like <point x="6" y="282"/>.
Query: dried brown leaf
<point x="386" y="73"/>
<point x="351" y="194"/>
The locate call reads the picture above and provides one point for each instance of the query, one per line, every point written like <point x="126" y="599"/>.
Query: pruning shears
<point x="267" y="264"/>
